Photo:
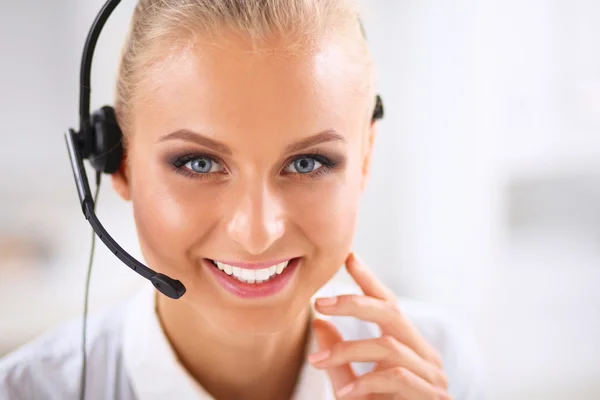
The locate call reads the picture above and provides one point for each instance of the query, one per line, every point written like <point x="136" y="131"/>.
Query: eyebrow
<point x="191" y="136"/>
<point x="328" y="135"/>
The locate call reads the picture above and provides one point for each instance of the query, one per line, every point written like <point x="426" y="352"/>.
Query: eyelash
<point x="178" y="164"/>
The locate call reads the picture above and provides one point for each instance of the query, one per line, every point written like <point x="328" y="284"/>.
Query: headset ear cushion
<point x="107" y="152"/>
<point x="378" y="112"/>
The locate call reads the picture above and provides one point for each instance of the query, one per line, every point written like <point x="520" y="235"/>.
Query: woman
<point x="248" y="143"/>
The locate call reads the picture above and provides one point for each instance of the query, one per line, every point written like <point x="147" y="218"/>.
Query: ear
<point x="120" y="179"/>
<point x="368" y="152"/>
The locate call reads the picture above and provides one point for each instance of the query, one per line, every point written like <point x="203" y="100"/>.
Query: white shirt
<point x="130" y="358"/>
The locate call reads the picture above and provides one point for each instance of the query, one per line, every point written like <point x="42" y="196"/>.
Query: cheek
<point x="327" y="218"/>
<point x="330" y="211"/>
<point x="167" y="224"/>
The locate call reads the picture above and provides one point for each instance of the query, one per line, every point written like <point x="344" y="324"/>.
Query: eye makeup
<point x="181" y="163"/>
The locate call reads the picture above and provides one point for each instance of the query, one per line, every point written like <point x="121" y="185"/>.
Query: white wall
<point x="493" y="100"/>
<point x="487" y="155"/>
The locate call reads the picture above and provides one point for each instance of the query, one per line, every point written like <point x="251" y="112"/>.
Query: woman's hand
<point x="407" y="367"/>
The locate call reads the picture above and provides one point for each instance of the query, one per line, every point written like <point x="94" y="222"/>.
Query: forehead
<point x="231" y="86"/>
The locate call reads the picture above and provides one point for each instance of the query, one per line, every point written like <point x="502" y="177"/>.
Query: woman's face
<point x="252" y="157"/>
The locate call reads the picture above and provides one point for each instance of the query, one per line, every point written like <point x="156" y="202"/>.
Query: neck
<point x="236" y="365"/>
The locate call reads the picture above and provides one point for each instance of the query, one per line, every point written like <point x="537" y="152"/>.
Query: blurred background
<point x="484" y="199"/>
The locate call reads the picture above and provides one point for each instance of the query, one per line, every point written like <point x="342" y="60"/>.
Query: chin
<point x="256" y="320"/>
<point x="264" y="323"/>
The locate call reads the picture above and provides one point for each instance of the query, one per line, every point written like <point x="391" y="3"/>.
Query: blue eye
<point x="304" y="165"/>
<point x="201" y="165"/>
<point x="204" y="166"/>
<point x="197" y="164"/>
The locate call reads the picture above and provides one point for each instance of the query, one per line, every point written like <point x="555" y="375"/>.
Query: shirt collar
<point x="156" y="373"/>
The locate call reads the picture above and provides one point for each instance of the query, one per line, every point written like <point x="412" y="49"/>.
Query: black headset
<point x="100" y="141"/>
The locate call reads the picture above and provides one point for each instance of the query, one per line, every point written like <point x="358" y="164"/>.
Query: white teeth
<point x="252" y="275"/>
<point x="280" y="267"/>
<point x="248" y="275"/>
<point x="262" y="274"/>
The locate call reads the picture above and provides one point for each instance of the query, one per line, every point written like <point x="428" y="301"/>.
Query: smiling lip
<point x="254" y="290"/>
<point x="253" y="265"/>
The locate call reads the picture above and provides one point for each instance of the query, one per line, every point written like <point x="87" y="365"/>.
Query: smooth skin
<point x="248" y="116"/>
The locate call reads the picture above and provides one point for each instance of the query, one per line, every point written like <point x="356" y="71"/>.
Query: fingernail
<point x="320" y="356"/>
<point x="327" y="301"/>
<point x="358" y="261"/>
<point x="345" y="390"/>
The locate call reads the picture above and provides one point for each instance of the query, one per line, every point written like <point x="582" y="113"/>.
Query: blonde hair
<point x="162" y="25"/>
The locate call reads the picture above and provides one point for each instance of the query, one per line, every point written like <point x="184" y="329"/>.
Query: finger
<point x="402" y="328"/>
<point x="386" y="351"/>
<point x="396" y="380"/>
<point x="385" y="314"/>
<point x="328" y="336"/>
<point x="362" y="307"/>
<point x="366" y="279"/>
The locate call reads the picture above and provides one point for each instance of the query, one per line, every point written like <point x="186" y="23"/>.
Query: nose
<point x="257" y="220"/>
